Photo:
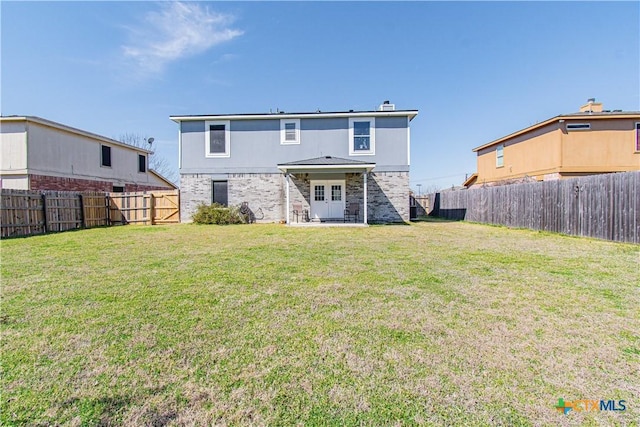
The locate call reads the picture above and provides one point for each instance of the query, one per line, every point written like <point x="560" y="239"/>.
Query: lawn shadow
<point x="433" y="219"/>
<point x="105" y="411"/>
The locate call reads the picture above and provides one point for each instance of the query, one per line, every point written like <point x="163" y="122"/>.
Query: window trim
<point x="283" y="132"/>
<point x="102" y="165"/>
<point x="571" y="126"/>
<point x="146" y="166"/>
<point x="372" y="136"/>
<point x="500" y="157"/>
<point x="227" y="138"/>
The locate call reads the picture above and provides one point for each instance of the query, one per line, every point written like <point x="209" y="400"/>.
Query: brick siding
<point x="56" y="183"/>
<point x="388" y="194"/>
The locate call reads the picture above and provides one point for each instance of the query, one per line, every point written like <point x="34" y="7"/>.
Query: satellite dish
<point x="150" y="140"/>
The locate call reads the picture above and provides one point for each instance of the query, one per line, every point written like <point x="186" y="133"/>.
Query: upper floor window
<point x="500" y="156"/>
<point x="142" y="163"/>
<point x="105" y="157"/>
<point x="637" y="136"/>
<point x="362" y="139"/>
<point x="578" y="126"/>
<point x="217" y="138"/>
<point x="290" y="131"/>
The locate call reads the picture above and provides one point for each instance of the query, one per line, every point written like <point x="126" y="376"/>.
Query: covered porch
<point x="326" y="191"/>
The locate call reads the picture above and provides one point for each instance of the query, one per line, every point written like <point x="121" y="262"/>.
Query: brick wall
<point x="56" y="183"/>
<point x="195" y="189"/>
<point x="388" y="194"/>
<point x="264" y="193"/>
<point x="139" y="187"/>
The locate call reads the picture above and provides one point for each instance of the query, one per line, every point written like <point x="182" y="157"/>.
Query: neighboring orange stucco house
<point x="592" y="141"/>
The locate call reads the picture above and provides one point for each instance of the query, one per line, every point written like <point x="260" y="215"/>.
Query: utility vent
<point x="579" y="126"/>
<point x="386" y="106"/>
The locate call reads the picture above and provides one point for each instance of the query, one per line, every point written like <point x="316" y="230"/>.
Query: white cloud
<point x="176" y="31"/>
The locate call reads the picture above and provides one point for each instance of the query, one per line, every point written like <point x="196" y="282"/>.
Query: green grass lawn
<point x="436" y="323"/>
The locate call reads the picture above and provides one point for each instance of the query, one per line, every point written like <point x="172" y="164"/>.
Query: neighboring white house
<point x="38" y="154"/>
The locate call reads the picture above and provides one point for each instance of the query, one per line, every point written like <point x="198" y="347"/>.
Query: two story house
<point x="590" y="141"/>
<point x="315" y="165"/>
<point x="39" y="154"/>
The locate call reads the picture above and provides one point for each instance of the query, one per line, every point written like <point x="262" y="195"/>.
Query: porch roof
<point x="326" y="163"/>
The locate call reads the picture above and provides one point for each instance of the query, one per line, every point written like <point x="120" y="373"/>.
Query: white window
<point x="290" y="131"/>
<point x="362" y="136"/>
<point x="217" y="137"/>
<point x="500" y="156"/>
<point x="578" y="126"/>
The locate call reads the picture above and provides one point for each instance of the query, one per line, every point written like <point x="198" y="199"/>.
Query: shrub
<point x="217" y="214"/>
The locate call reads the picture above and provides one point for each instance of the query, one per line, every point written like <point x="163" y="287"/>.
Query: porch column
<point x="286" y="177"/>
<point x="365" y="196"/>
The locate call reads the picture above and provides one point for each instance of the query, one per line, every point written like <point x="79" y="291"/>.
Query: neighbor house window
<point x="220" y="193"/>
<point x="637" y="136"/>
<point x="500" y="156"/>
<point x="362" y="135"/>
<point x="578" y="126"/>
<point x="118" y="189"/>
<point x="290" y="131"/>
<point x="217" y="136"/>
<point x="105" y="158"/>
<point x="142" y="163"/>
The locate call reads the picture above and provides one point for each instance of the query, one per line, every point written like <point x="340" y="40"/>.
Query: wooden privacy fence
<point x="158" y="207"/>
<point x="603" y="206"/>
<point x="24" y="213"/>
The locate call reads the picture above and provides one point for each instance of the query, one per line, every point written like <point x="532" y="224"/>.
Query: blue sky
<point x="476" y="71"/>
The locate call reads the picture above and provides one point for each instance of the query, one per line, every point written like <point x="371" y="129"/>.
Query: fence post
<point x="83" y="222"/>
<point x="152" y="208"/>
<point x="44" y="211"/>
<point x="107" y="202"/>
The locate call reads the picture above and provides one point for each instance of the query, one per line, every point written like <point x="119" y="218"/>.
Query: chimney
<point x="386" y="106"/>
<point x="591" y="106"/>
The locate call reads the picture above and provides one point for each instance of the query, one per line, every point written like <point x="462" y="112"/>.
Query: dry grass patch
<point x="435" y="323"/>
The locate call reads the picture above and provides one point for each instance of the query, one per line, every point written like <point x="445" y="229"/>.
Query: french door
<point x="327" y="199"/>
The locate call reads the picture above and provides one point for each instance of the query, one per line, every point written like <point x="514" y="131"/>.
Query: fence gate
<point x="156" y="207"/>
<point x="166" y="208"/>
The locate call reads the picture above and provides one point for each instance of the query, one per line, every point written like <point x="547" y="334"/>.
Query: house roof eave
<point x="573" y="116"/>
<point x="411" y="114"/>
<point x="65" y="128"/>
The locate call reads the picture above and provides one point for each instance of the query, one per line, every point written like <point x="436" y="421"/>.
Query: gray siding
<point x="255" y="145"/>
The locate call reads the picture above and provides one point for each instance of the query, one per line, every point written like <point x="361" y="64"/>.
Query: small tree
<point x="156" y="162"/>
